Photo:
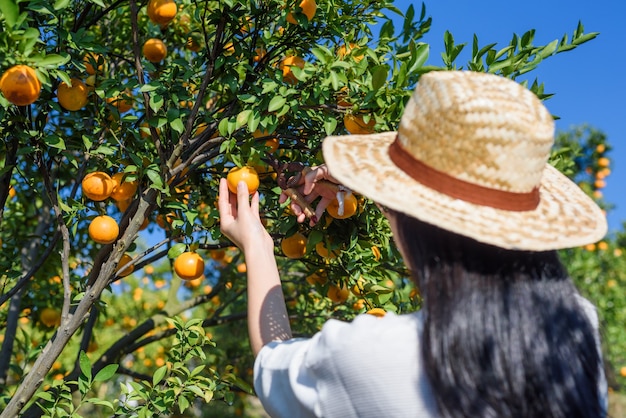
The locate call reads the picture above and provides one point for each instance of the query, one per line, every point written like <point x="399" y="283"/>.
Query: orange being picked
<point x="73" y="97"/>
<point x="90" y="59"/>
<point x="350" y="205"/>
<point x="20" y="85"/>
<point x="356" y="125"/>
<point x="154" y="50"/>
<point x="50" y="317"/>
<point x="189" y="265"/>
<point x="162" y="12"/>
<point x="294" y="247"/>
<point x="309" y="7"/>
<point x="103" y="229"/>
<point x="97" y="186"/>
<point x="123" y="261"/>
<point x="247" y="174"/>
<point x="123" y="189"/>
<point x="285" y="66"/>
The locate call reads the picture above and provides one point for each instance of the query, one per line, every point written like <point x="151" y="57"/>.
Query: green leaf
<point x="379" y="76"/>
<point x="85" y="365"/>
<point x="158" y="375"/>
<point x="54" y="60"/>
<point x="54" y="141"/>
<point x="176" y="250"/>
<point x="106" y="373"/>
<point x="178" y="125"/>
<point x="10" y="10"/>
<point x="276" y="103"/>
<point x="61" y="4"/>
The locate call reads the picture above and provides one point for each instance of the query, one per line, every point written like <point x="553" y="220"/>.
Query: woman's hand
<point x="317" y="182"/>
<point x="239" y="218"/>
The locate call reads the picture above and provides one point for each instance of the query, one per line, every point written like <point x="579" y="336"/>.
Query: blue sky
<point x="588" y="83"/>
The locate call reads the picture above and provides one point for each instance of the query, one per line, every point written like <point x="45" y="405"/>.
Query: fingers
<point x="223" y="200"/>
<point x="243" y="197"/>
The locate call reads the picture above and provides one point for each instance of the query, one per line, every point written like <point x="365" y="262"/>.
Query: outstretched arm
<point x="240" y="221"/>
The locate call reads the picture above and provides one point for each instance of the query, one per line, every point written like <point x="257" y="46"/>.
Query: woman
<point x="478" y="214"/>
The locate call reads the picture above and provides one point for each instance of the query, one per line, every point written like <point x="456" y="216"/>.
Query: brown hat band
<point x="460" y="189"/>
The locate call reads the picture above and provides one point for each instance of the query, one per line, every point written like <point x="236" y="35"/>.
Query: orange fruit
<point x="123" y="261"/>
<point x="189" y="265"/>
<point x="194" y="42"/>
<point x="122" y="189"/>
<point x="103" y="229"/>
<point x="90" y="59"/>
<point x="20" y="85"/>
<point x="123" y="102"/>
<point x="286" y="64"/>
<point x="247" y="174"/>
<point x="294" y="247"/>
<point x="622" y="371"/>
<point x="350" y="206"/>
<point x="357" y="126"/>
<point x="272" y="143"/>
<point x="154" y="50"/>
<point x="322" y="251"/>
<point x="319" y="277"/>
<point x="604" y="162"/>
<point x="97" y="186"/>
<point x="344" y="51"/>
<point x="338" y="294"/>
<point x="162" y="12"/>
<point x="358" y="305"/>
<point x="379" y="312"/>
<point x="309" y="7"/>
<point x="50" y="317"/>
<point x="73" y="98"/>
<point x="165" y="221"/>
<point x="359" y="288"/>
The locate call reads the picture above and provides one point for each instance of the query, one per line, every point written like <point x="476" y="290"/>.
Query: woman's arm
<point x="240" y="221"/>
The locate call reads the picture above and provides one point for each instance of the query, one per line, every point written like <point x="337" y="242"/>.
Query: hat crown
<point x="478" y="128"/>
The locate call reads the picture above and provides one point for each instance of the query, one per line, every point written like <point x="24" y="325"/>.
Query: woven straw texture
<point x="485" y="130"/>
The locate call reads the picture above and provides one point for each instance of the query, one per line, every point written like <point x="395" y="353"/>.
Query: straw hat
<point x="470" y="156"/>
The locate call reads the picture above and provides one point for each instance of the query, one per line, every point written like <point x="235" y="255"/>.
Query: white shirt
<point x="371" y="367"/>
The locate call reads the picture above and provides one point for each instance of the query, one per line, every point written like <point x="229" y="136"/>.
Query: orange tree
<point x="95" y="319"/>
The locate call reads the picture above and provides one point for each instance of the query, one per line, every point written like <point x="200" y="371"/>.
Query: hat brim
<point x="565" y="217"/>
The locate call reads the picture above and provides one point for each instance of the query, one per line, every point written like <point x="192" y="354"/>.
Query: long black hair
<point x="505" y="332"/>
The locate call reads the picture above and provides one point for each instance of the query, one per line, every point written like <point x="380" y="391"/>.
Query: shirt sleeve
<point x="283" y="384"/>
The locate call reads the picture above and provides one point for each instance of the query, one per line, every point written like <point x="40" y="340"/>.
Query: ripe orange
<point x="309" y="7"/>
<point x="103" y="229"/>
<point x="73" y="98"/>
<point x="247" y="174"/>
<point x="604" y="162"/>
<point x="286" y="65"/>
<point x="50" y="317"/>
<point x="123" y="261"/>
<point x="123" y="189"/>
<point x="272" y="143"/>
<point x="338" y="294"/>
<point x="154" y="50"/>
<point x="294" y="247"/>
<point x="90" y="59"/>
<point x="20" y="85"/>
<point x="344" y="51"/>
<point x="189" y="266"/>
<point x="319" y="277"/>
<point x="123" y="102"/>
<point x="162" y="12"/>
<point x="350" y="206"/>
<point x="97" y="186"/>
<point x="357" y="126"/>
<point x="379" y="312"/>
<point x="322" y="251"/>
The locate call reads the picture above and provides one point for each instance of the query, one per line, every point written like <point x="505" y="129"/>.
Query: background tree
<point x="118" y="293"/>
